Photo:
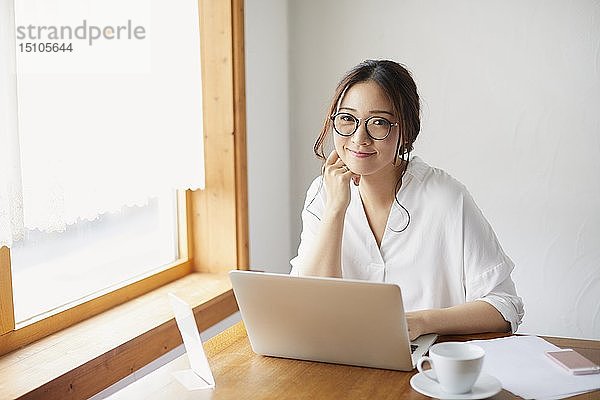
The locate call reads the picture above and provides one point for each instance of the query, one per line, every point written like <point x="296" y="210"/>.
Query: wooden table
<point x="241" y="374"/>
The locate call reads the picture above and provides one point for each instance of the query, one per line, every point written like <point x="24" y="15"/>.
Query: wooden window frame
<point x="216" y="234"/>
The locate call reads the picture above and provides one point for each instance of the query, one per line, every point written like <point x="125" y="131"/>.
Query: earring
<point x="403" y="149"/>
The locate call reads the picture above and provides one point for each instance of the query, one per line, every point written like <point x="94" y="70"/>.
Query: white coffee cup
<point x="456" y="365"/>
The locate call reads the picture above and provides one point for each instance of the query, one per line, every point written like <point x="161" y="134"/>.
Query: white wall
<point x="511" y="107"/>
<point x="267" y="98"/>
<point x="510" y="94"/>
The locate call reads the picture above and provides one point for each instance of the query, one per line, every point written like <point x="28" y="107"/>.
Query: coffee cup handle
<point x="420" y="363"/>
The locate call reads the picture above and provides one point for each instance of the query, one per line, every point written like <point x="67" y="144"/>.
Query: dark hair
<point x="397" y="83"/>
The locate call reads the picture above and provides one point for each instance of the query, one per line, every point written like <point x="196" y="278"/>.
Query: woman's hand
<point x="416" y="324"/>
<point x="337" y="183"/>
<point x="325" y="256"/>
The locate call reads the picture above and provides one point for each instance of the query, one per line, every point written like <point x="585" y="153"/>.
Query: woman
<point x="378" y="214"/>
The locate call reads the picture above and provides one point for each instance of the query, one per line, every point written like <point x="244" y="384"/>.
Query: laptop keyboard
<point x="413" y="347"/>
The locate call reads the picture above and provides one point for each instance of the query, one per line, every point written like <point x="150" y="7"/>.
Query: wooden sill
<point x="86" y="358"/>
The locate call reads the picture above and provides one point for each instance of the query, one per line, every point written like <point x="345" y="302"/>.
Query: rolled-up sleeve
<point x="487" y="268"/>
<point x="504" y="298"/>
<point x="311" y="219"/>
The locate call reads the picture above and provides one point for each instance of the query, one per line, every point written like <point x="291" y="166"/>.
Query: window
<point x="51" y="270"/>
<point x="109" y="116"/>
<point x="219" y="243"/>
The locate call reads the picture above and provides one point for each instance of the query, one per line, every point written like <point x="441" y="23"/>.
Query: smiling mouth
<point x="360" y="154"/>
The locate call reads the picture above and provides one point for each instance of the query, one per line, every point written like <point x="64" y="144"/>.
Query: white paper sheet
<point x="193" y="346"/>
<point x="520" y="364"/>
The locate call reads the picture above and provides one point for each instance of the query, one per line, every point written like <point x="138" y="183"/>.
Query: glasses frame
<point x="358" y="122"/>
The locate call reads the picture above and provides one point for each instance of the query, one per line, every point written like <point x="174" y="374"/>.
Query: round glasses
<point x="346" y="124"/>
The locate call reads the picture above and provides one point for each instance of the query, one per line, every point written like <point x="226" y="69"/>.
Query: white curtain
<point x="104" y="126"/>
<point x="11" y="197"/>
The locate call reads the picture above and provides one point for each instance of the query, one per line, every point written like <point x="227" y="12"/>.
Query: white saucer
<point x="485" y="386"/>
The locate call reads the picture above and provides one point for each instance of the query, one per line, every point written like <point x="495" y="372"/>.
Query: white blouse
<point x="448" y="254"/>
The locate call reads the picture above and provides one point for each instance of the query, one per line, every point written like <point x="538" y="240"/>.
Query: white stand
<point x="191" y="381"/>
<point x="200" y="375"/>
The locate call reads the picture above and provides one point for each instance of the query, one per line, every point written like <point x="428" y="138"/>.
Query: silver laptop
<point x="326" y="319"/>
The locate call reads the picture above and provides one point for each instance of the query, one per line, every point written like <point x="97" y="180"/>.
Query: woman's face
<point x="362" y="154"/>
